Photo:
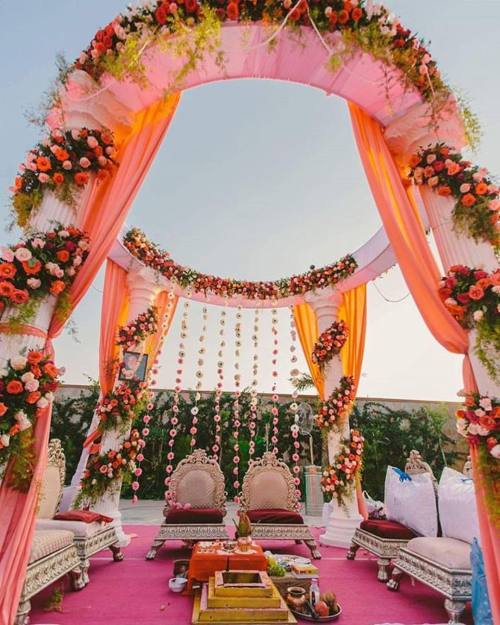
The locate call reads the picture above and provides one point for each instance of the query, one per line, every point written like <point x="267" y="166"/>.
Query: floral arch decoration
<point x="112" y="108"/>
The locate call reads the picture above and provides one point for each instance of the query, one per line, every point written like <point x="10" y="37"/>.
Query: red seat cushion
<point x="87" y="516"/>
<point x="181" y="516"/>
<point x="275" y="515"/>
<point x="387" y="529"/>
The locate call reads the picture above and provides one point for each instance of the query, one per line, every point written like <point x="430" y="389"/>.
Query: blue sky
<point x="258" y="180"/>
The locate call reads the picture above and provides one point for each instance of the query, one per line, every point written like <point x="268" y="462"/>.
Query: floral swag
<point x="338" y="404"/>
<point x="479" y="422"/>
<point x="472" y="296"/>
<point x="339" y="478"/>
<point x="329" y="343"/>
<point x="134" y="333"/>
<point x="151" y="255"/>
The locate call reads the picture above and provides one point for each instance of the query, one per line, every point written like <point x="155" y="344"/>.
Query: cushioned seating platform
<point x="387" y="529"/>
<point x="198" y="516"/>
<point x="275" y="515"/>
<point x="447" y="552"/>
<point x="46" y="542"/>
<point x="79" y="529"/>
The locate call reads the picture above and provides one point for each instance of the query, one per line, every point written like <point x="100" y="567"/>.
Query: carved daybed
<point x="89" y="538"/>
<point x="271" y="503"/>
<point x="196" y="503"/>
<point x="384" y="538"/>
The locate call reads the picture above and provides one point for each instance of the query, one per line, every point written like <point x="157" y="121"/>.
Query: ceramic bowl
<point x="177" y="584"/>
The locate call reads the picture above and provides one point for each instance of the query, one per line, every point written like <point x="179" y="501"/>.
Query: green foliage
<point x="391" y="434"/>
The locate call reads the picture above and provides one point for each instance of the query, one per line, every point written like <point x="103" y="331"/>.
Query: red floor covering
<point x="135" y="591"/>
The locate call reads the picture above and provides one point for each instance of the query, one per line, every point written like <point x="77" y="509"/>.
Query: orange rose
<point x="50" y="369"/>
<point x="343" y="16"/>
<point x="34" y="357"/>
<point x="7" y="270"/>
<point x="6" y="289"/>
<point x="20" y="296"/>
<point x="33" y="397"/>
<point x="32" y="267"/>
<point x="81" y="178"/>
<point x="468" y="199"/>
<point x="58" y="178"/>
<point x="43" y="163"/>
<point x="14" y="429"/>
<point x="3" y="409"/>
<point x="63" y="256"/>
<point x="18" y="183"/>
<point x="57" y="287"/>
<point x="444" y="191"/>
<point x="484" y="283"/>
<point x="356" y="14"/>
<point x="14" y="387"/>
<point x="36" y="371"/>
<point x="476" y="292"/>
<point x="61" y="155"/>
<point x="481" y="188"/>
<point x="487" y="421"/>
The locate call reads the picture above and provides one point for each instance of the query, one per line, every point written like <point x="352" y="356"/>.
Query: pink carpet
<point x="135" y="591"/>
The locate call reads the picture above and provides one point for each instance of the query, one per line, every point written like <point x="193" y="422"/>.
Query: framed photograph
<point x="134" y="365"/>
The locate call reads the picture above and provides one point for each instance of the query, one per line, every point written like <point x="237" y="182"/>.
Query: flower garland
<point x="118" y="407"/>
<point x="477" y="198"/>
<point x="44" y="264"/>
<point x="137" y="331"/>
<point x="62" y="163"/>
<point x="294" y="407"/>
<point x="236" y="406"/>
<point x="274" y="396"/>
<point x="472" y="296"/>
<point x="216" y="448"/>
<point x="117" y="47"/>
<point x="338" y="479"/>
<point x="329" y="343"/>
<point x="479" y="422"/>
<point x="27" y="384"/>
<point x="150" y="254"/>
<point x="199" y="377"/>
<point x="252" y="418"/>
<point x="338" y="404"/>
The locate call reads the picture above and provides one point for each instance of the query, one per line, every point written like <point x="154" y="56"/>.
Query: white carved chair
<point x="196" y="503"/>
<point x="384" y="538"/>
<point x="442" y="562"/>
<point x="89" y="538"/>
<point x="270" y="501"/>
<point x="53" y="555"/>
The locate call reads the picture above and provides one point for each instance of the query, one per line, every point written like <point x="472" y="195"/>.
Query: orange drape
<point x="404" y="229"/>
<point x="113" y="315"/>
<point x="353" y="312"/>
<point x="307" y="329"/>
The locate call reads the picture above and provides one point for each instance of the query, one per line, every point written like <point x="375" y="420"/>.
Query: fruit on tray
<point x="322" y="609"/>
<point x="330" y="600"/>
<point x="274" y="569"/>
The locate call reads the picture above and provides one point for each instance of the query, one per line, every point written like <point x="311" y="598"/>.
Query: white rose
<point x="18" y="363"/>
<point x="3" y="373"/>
<point x="485" y="402"/>
<point x="495" y="451"/>
<point x="64" y="234"/>
<point x="34" y="283"/>
<point x="22" y="420"/>
<point x="22" y="254"/>
<point x="478" y="315"/>
<point x="42" y="403"/>
<point x="4" y="439"/>
<point x="27" y="377"/>
<point x="49" y="396"/>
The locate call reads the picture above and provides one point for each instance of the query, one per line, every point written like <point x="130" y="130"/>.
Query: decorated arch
<point x="110" y="112"/>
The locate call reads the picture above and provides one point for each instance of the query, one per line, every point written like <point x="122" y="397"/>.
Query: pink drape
<point x="104" y="215"/>
<point x="404" y="229"/>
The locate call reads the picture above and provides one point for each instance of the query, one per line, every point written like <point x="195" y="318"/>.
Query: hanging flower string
<point x="216" y="448"/>
<point x="294" y="407"/>
<point x="174" y="419"/>
<point x="338" y="404"/>
<point x="275" y="397"/>
<point x="236" y="406"/>
<point x="329" y="343"/>
<point x="252" y="420"/>
<point x="199" y="378"/>
<point x="150" y="254"/>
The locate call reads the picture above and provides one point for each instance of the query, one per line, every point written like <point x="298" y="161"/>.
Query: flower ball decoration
<point x="62" y="163"/>
<point x="339" y="478"/>
<point x="329" y="343"/>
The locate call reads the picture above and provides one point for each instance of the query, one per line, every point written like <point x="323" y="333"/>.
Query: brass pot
<point x="244" y="543"/>
<point x="296" y="597"/>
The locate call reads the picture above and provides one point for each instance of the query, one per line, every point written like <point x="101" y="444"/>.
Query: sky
<point x="258" y="180"/>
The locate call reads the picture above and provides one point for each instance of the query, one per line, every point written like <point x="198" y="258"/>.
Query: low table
<point x="209" y="557"/>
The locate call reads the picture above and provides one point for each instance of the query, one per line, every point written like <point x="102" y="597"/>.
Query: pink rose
<point x="67" y="165"/>
<point x="92" y="142"/>
<point x="464" y="188"/>
<point x="84" y="162"/>
<point x="43" y="178"/>
<point x="22" y="254"/>
<point x="6" y="254"/>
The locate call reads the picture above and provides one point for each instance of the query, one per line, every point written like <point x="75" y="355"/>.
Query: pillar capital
<point x="143" y="287"/>
<point x="326" y="305"/>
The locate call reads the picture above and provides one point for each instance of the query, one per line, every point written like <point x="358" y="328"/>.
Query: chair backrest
<point x="269" y="484"/>
<point x="198" y="481"/>
<point x="53" y="481"/>
<point x="415" y="465"/>
<point x="467" y="470"/>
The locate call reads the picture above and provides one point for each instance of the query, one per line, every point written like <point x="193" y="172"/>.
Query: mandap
<point x="109" y="114"/>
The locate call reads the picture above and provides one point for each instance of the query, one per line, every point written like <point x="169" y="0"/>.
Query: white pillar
<point x="143" y="289"/>
<point x="342" y="520"/>
<point x="457" y="249"/>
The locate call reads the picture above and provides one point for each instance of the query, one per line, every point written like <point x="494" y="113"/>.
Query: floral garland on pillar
<point x="479" y="422"/>
<point x="136" y="332"/>
<point x="46" y="263"/>
<point x="339" y="478"/>
<point x="477" y="197"/>
<point x="472" y="296"/>
<point x="27" y="385"/>
<point x="338" y="404"/>
<point x="329" y="343"/>
<point x="61" y="163"/>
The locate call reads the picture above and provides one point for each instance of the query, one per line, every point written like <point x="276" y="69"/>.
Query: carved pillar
<point x="342" y="520"/>
<point x="457" y="249"/>
<point x="143" y="289"/>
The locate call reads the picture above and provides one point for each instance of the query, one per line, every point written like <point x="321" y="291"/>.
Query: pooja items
<point x="177" y="584"/>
